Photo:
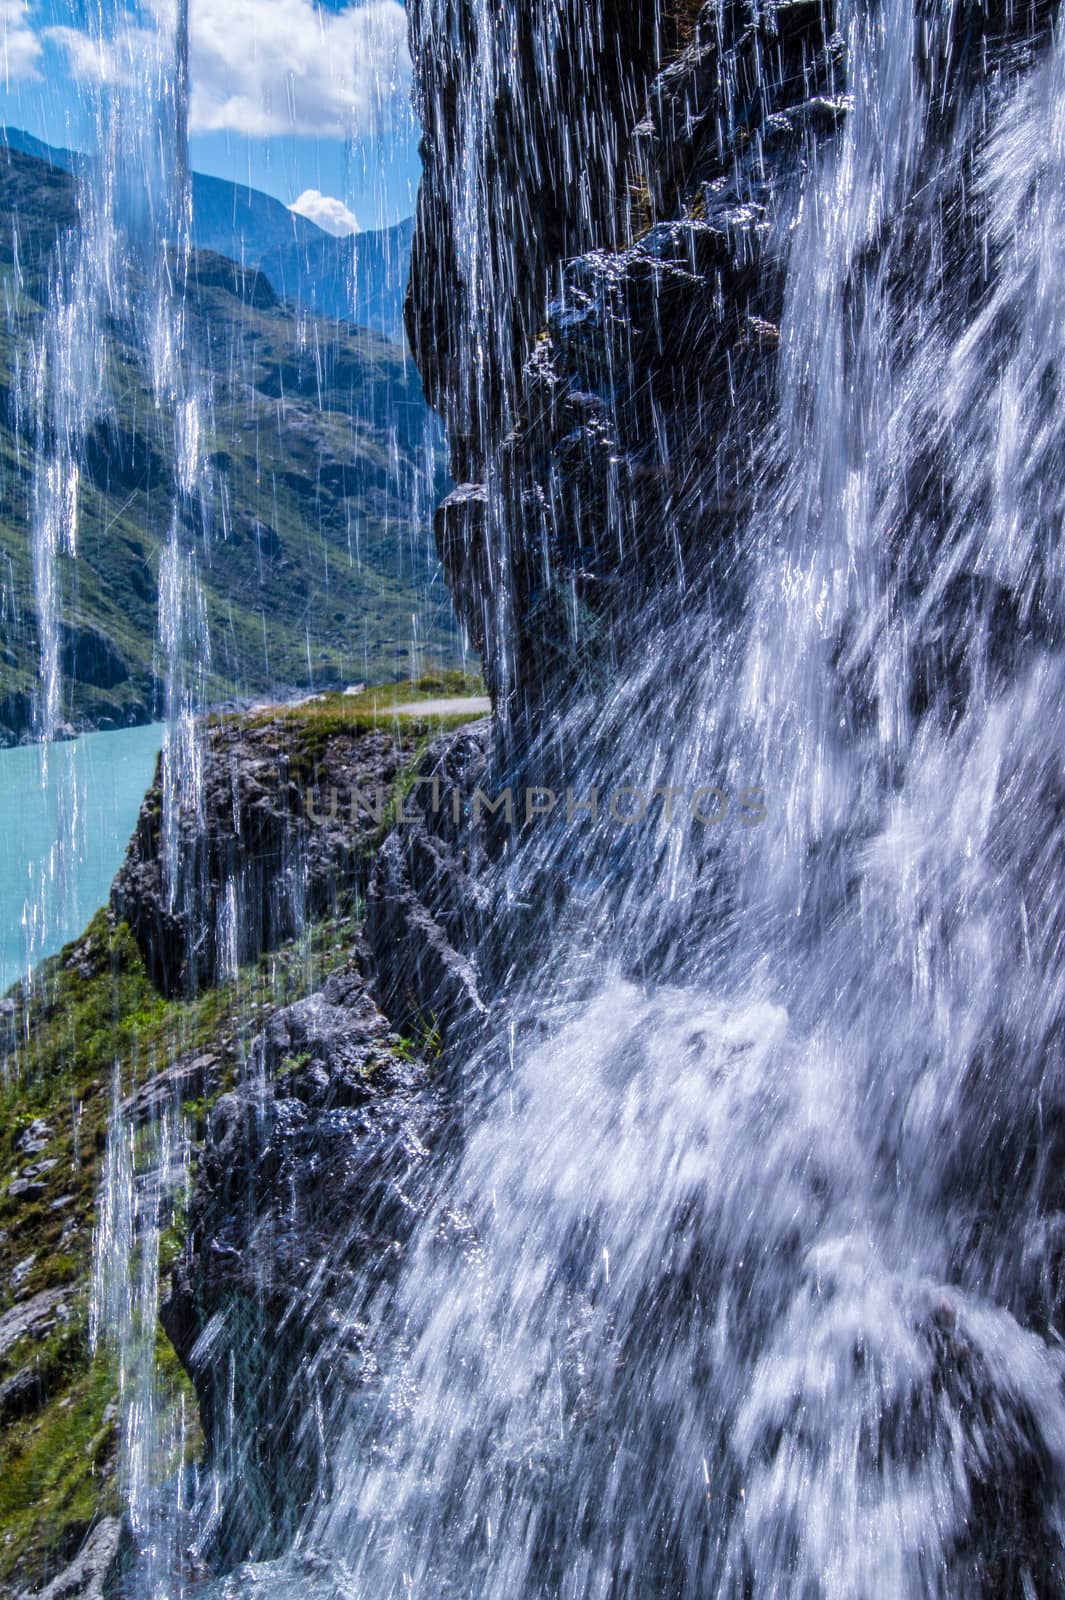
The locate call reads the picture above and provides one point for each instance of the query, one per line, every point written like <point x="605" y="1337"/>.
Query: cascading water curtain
<point x="742" y="1276"/>
<point x="747" y="1284"/>
<point x="129" y="262"/>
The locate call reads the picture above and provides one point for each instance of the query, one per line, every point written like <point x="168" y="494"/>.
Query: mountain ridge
<point x="361" y="279"/>
<point x="322" y="471"/>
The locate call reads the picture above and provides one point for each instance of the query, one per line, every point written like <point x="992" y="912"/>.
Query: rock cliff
<point x="597" y="289"/>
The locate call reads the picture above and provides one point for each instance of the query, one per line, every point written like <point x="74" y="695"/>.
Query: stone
<point x="36" y="1138"/>
<point x="26" y="1189"/>
<point x="270" y="852"/>
<point x="21" y="1393"/>
<point x="33" y="1318"/>
<point x="88" y="1575"/>
<point x="39" y="1168"/>
<point x="22" y="1271"/>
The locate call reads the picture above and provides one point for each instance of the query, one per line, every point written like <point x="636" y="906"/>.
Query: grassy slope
<point x="92" y="1013"/>
<point x="320" y="481"/>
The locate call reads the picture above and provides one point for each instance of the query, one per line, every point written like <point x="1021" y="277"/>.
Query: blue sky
<point x="289" y="96"/>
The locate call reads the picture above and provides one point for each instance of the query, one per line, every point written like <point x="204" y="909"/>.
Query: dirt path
<point x="474" y="707"/>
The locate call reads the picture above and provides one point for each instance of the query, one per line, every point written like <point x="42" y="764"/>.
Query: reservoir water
<point x="66" y="815"/>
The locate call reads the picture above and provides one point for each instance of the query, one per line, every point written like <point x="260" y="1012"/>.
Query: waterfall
<point x="146" y="1184"/>
<point x="743" y="1277"/>
<point x="739" y="1271"/>
<point x="127" y="262"/>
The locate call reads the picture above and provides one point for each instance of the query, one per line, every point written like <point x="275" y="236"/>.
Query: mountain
<point x="322" y="478"/>
<point x="362" y="279"/>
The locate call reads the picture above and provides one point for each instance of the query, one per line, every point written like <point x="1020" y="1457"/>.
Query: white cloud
<point x="265" y="67"/>
<point x="332" y="215"/>
<point x="92" y="60"/>
<point x="20" y="48"/>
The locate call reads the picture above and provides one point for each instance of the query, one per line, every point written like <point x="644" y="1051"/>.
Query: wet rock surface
<point x="280" y="841"/>
<point x="304" y="1180"/>
<point x="427" y="901"/>
<point x="88" y="1576"/>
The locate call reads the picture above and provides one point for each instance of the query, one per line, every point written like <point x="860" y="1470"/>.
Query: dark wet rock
<point x="332" y="1049"/>
<point x="16" y="716"/>
<point x="87" y="1577"/>
<point x="462" y="540"/>
<point x="304" y="1180"/>
<point x="631" y="332"/>
<point x="531" y="120"/>
<point x="426" y="905"/>
<point x="748" y="83"/>
<point x="620" y="445"/>
<point x="280" y="841"/>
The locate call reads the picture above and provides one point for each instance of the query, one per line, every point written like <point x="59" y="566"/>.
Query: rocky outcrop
<point x="89" y="1575"/>
<point x="304" y="1179"/>
<point x="310" y="1165"/>
<point x="284" y="836"/>
<point x="597" y="291"/>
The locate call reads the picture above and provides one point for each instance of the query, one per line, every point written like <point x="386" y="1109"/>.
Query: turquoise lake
<point x="66" y="816"/>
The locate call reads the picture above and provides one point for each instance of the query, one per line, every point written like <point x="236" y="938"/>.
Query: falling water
<point x="744" y="1277"/>
<point x="126" y="261"/>
<point x="133" y="253"/>
<point x="145" y="1187"/>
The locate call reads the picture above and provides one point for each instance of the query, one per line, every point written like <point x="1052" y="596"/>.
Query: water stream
<point x="743" y="1276"/>
<point x="742" y="1281"/>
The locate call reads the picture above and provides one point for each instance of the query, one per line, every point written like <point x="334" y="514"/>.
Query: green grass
<point x="91" y="1012"/>
<point x="372" y="710"/>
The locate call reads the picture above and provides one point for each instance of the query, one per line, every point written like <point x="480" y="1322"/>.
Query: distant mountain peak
<point x="310" y="259"/>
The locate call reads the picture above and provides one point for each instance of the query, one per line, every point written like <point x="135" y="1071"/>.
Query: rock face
<point x="597" y="289"/>
<point x="89" y="1574"/>
<point x="303" y="1180"/>
<point x="559" y="330"/>
<point x="285" y="836"/>
<point x="527" y="115"/>
<point x="509" y="189"/>
<point x="309" y="1165"/>
<point x="426" y="906"/>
